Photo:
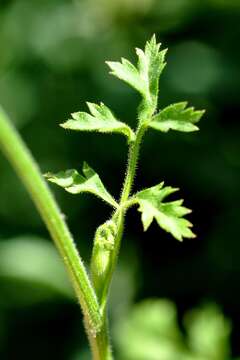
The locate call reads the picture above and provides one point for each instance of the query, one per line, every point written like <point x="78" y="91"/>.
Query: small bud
<point x="101" y="255"/>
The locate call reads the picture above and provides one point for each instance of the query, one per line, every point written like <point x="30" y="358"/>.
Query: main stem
<point x="22" y="161"/>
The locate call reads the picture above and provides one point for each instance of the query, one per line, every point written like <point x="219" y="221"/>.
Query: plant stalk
<point x="100" y="344"/>
<point x="25" y="166"/>
<point x="132" y="165"/>
<point x="119" y="215"/>
<point x="102" y="340"/>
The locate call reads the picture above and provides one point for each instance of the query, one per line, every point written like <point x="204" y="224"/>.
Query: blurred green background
<point x="52" y="55"/>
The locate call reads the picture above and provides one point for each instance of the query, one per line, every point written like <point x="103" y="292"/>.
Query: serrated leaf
<point x="151" y="64"/>
<point x="169" y="215"/>
<point x="100" y="119"/>
<point x="144" y="78"/>
<point x="75" y="183"/>
<point x="127" y="72"/>
<point x="177" y="117"/>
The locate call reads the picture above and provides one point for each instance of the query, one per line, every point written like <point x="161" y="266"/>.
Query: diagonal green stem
<point x="22" y="161"/>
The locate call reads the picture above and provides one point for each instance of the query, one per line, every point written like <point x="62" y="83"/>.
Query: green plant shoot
<point x="170" y="215"/>
<point x="151" y="202"/>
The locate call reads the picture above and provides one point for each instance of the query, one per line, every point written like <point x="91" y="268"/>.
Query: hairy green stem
<point x="100" y="344"/>
<point x="120" y="212"/>
<point x="22" y="161"/>
<point x="132" y="164"/>
<point x="102" y="280"/>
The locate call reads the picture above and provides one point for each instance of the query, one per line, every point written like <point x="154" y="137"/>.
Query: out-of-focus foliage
<point x="31" y="271"/>
<point x="208" y="333"/>
<point x="151" y="331"/>
<point x="52" y="55"/>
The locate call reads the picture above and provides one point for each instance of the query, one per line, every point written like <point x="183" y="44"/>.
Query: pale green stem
<point x="100" y="344"/>
<point x="22" y="161"/>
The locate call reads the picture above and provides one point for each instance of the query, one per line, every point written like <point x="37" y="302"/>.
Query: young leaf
<point x="151" y="64"/>
<point x="176" y="117"/>
<point x="100" y="119"/>
<point x="144" y="78"/>
<point x="127" y="72"/>
<point x="75" y="183"/>
<point x="169" y="215"/>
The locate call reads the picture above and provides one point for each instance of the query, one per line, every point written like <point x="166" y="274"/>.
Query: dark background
<point x="52" y="57"/>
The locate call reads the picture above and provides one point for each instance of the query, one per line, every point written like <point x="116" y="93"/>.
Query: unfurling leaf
<point x="177" y="117"/>
<point x="100" y="119"/>
<point x="144" y="78"/>
<point x="75" y="183"/>
<point x="169" y="215"/>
